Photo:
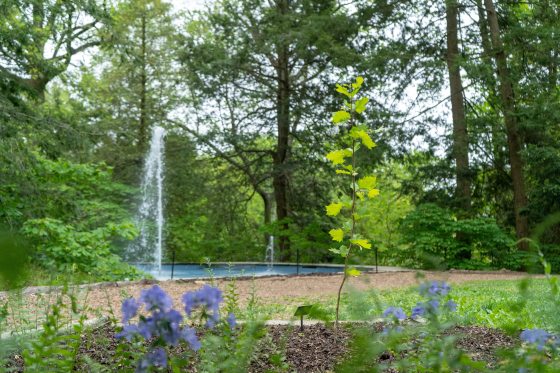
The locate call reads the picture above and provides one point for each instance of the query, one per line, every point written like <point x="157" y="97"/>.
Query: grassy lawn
<point x="497" y="304"/>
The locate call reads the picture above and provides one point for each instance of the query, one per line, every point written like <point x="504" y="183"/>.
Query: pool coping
<point x="45" y="288"/>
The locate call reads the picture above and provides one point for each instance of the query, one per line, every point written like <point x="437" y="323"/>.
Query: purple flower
<point x="128" y="332"/>
<point x="232" y="322"/>
<point x="395" y="312"/>
<point x="211" y="320"/>
<point x="535" y="336"/>
<point x="157" y="357"/>
<point x="434" y="288"/>
<point x="451" y="305"/>
<point x="168" y="326"/>
<point x="208" y="298"/>
<point x="146" y="327"/>
<point x="129" y="309"/>
<point x="155" y="298"/>
<point x="418" y="311"/>
<point x="433" y="305"/>
<point x="189" y="335"/>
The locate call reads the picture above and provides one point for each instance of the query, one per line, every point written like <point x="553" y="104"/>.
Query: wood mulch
<point x="317" y="348"/>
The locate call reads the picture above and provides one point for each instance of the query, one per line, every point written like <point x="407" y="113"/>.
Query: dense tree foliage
<point x="464" y="107"/>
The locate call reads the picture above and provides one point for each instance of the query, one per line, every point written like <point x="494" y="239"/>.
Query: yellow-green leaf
<point x="340" y="116"/>
<point x="367" y="141"/>
<point x="353" y="272"/>
<point x="337" y="156"/>
<point x="367" y="182"/>
<point x="360" y="195"/>
<point x="344" y="172"/>
<point x="358" y="133"/>
<point x="359" y="82"/>
<point x="337" y="234"/>
<point x="334" y="209"/>
<point x="362" y="242"/>
<point x="373" y="193"/>
<point x="361" y="105"/>
<point x="343" y="90"/>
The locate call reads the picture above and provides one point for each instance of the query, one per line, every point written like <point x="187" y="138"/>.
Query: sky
<point x="188" y="4"/>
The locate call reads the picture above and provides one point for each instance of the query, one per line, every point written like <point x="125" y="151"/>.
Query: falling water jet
<point x="270" y="253"/>
<point x="147" y="248"/>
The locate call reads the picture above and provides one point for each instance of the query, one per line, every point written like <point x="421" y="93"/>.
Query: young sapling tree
<point x="354" y="136"/>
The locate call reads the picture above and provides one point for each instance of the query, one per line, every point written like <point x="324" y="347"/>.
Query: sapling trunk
<point x="353" y="210"/>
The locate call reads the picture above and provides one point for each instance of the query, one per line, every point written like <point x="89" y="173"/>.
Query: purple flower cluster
<point x="431" y="307"/>
<point x="156" y="299"/>
<point x="157" y="358"/>
<point x="231" y="320"/>
<point x="538" y="337"/>
<point x="208" y="299"/>
<point x="395" y="313"/>
<point x="434" y="291"/>
<point x="165" y="324"/>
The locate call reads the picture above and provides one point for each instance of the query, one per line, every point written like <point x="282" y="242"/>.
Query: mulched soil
<point x="317" y="349"/>
<point x="481" y="343"/>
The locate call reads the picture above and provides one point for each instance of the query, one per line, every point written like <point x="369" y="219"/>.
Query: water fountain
<point x="147" y="248"/>
<point x="269" y="258"/>
<point x="146" y="251"/>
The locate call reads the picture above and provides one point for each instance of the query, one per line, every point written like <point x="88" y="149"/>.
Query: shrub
<point x="63" y="248"/>
<point x="435" y="238"/>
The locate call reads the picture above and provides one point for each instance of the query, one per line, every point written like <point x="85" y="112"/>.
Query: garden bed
<point x="318" y="348"/>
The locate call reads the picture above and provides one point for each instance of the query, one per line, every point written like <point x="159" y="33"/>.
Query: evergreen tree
<point x="272" y="60"/>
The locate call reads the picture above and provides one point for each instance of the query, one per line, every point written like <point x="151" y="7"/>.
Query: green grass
<point x="496" y="304"/>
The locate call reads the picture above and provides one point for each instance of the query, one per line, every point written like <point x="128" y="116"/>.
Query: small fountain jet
<point x="270" y="253"/>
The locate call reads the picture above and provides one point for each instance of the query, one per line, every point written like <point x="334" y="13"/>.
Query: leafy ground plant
<point x="57" y="345"/>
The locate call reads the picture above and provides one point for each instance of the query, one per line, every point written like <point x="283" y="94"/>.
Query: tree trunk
<point x="39" y="75"/>
<point x="513" y="138"/>
<point x="143" y="126"/>
<point x="267" y="211"/>
<point x="280" y="179"/>
<point x="496" y="130"/>
<point x="460" y="135"/>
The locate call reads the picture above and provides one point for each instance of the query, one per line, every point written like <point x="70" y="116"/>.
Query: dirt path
<point x="270" y="290"/>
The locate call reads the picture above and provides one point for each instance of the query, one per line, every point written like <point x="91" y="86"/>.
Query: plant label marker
<point x="303" y="311"/>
